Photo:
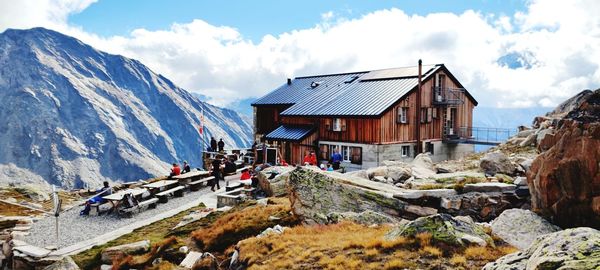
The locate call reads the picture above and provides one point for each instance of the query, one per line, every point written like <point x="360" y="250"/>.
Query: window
<point x="325" y="152"/>
<point x="402" y="115"/>
<point x="337" y="124"/>
<point x="405" y="150"/>
<point x="345" y="153"/>
<point x="434" y="112"/>
<point x="429" y="147"/>
<point x="356" y="155"/>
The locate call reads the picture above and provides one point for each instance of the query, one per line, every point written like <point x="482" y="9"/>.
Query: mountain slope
<point x="75" y="115"/>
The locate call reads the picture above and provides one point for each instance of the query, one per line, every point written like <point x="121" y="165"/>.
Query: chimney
<point x="418" y="113"/>
<point x="289" y="81"/>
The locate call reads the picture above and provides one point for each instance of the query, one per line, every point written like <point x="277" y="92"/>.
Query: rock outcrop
<point x="273" y="180"/>
<point x="520" y="227"/>
<point x="65" y="263"/>
<point x="315" y="194"/>
<point x="573" y="249"/>
<point x="444" y="228"/>
<point x="496" y="162"/>
<point x="564" y="181"/>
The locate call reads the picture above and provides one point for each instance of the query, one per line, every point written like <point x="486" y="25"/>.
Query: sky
<point x="508" y="54"/>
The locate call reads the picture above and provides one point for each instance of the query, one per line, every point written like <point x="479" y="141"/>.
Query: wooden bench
<point x="163" y="197"/>
<point x="143" y="205"/>
<point x="195" y="185"/>
<point x="95" y="208"/>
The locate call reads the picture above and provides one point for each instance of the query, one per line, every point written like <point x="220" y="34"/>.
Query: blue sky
<point x="255" y="19"/>
<point x="508" y="54"/>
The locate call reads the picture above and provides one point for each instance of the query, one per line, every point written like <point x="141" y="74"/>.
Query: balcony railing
<point x="447" y="96"/>
<point x="478" y="135"/>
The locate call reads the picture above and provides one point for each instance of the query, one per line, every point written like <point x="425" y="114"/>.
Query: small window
<point x="429" y="115"/>
<point x="337" y="124"/>
<point x="356" y="155"/>
<point x="351" y="79"/>
<point x="346" y="153"/>
<point x="405" y="150"/>
<point x="434" y="113"/>
<point x="402" y="115"/>
<point x="429" y="147"/>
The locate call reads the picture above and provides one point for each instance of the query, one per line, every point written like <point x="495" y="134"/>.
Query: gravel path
<point x="74" y="228"/>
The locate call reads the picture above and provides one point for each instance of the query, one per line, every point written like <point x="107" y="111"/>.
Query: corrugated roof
<point x="338" y="95"/>
<point x="301" y="89"/>
<point x="392" y="73"/>
<point x="289" y="133"/>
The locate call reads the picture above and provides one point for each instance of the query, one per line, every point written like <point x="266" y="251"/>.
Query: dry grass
<point x="431" y="186"/>
<point x="458" y="260"/>
<point x="237" y="225"/>
<point x="145" y="260"/>
<point x="348" y="246"/>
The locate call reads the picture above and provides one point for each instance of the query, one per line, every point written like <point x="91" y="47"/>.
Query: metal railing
<point x="478" y="135"/>
<point x="447" y="96"/>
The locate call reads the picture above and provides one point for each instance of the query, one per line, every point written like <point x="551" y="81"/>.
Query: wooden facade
<point x="436" y="121"/>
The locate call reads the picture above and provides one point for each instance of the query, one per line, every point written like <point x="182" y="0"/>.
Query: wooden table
<point x="116" y="198"/>
<point x="188" y="177"/>
<point x="160" y="185"/>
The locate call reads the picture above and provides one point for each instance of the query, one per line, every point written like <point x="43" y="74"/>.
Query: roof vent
<point x="289" y="81"/>
<point x="315" y="84"/>
<point x="351" y="79"/>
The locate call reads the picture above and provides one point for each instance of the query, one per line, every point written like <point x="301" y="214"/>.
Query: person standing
<point x="216" y="172"/>
<point x="213" y="144"/>
<point x="336" y="159"/>
<point x="313" y="158"/>
<point x="221" y="145"/>
<point x="186" y="167"/>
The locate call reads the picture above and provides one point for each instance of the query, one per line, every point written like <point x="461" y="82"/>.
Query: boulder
<point x="565" y="180"/>
<point x="380" y="179"/>
<point x="526" y="164"/>
<point x="314" y="194"/>
<point x="273" y="180"/>
<point x="525" y="133"/>
<point x="572" y="249"/>
<point x="430" y="193"/>
<point x="443" y="228"/>
<point x="530" y="140"/>
<point x="109" y="254"/>
<point x="367" y="217"/>
<point x="422" y="173"/>
<point x="520" y="227"/>
<point x="398" y="173"/>
<point x="395" y="163"/>
<point x="424" y="161"/>
<point x="190" y="259"/>
<point x="482" y="207"/>
<point x="496" y="162"/>
<point x="277" y="229"/>
<point x="489" y="187"/>
<point x="520" y="181"/>
<point x="541" y="134"/>
<point x="65" y="263"/>
<point x="377" y="171"/>
<point x="359" y="173"/>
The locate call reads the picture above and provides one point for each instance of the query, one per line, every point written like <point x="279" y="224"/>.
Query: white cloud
<point x="558" y="40"/>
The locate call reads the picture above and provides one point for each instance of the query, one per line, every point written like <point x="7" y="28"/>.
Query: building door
<point x="452" y="122"/>
<point x="288" y="152"/>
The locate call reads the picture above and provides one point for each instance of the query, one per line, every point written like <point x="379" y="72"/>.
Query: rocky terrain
<point x="530" y="203"/>
<point x="73" y="116"/>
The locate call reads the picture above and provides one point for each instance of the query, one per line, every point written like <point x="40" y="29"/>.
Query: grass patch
<point x="431" y="186"/>
<point x="348" y="245"/>
<point x="155" y="232"/>
<point x="237" y="225"/>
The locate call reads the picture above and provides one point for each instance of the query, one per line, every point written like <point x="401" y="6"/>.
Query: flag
<point x="201" y="126"/>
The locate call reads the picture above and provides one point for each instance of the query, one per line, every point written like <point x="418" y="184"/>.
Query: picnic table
<point x="160" y="185"/>
<point x="188" y="177"/>
<point x="116" y="198"/>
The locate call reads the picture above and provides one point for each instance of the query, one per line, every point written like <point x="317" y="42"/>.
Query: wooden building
<point x="369" y="117"/>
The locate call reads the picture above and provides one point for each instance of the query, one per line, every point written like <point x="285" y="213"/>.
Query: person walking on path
<point x="213" y="144"/>
<point x="221" y="145"/>
<point x="336" y="159"/>
<point x="216" y="172"/>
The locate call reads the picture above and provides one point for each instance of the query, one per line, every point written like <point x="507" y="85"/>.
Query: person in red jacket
<point x="175" y="170"/>
<point x="306" y="160"/>
<point x="246" y="178"/>
<point x="313" y="158"/>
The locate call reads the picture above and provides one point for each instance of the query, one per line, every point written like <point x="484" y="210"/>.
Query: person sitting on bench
<point x="104" y="191"/>
<point x="186" y="167"/>
<point x="229" y="166"/>
<point x="246" y="178"/>
<point x="175" y="170"/>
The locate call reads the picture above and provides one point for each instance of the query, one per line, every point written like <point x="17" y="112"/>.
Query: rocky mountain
<point x="72" y="115"/>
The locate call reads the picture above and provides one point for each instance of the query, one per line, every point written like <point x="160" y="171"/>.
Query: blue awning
<point x="290" y="133"/>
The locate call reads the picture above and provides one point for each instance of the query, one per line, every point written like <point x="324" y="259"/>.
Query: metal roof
<point x="289" y="133"/>
<point x="370" y="94"/>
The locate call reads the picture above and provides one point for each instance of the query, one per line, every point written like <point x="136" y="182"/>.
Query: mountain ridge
<point x="77" y="116"/>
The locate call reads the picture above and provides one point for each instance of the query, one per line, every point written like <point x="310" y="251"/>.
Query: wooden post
<point x="418" y="114"/>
